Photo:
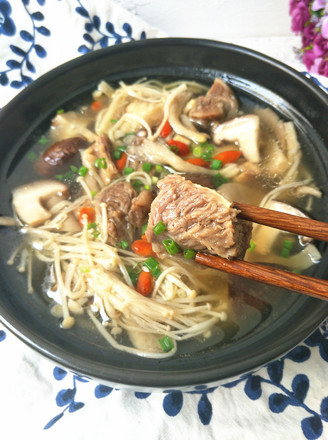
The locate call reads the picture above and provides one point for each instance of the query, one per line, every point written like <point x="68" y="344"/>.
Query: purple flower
<point x="324" y="27"/>
<point x="300" y="15"/>
<point x="318" y="4"/>
<point x="320" y="66"/>
<point x="308" y="35"/>
<point x="308" y="58"/>
<point x="310" y="19"/>
<point x="294" y="3"/>
<point x="320" y="45"/>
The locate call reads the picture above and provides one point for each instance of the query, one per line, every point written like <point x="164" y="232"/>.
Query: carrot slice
<point x="121" y="162"/>
<point x="166" y="130"/>
<point x="145" y="283"/>
<point x="96" y="105"/>
<point x="228" y="156"/>
<point x="88" y="212"/>
<point x="181" y="148"/>
<point x="143" y="248"/>
<point x="198" y="161"/>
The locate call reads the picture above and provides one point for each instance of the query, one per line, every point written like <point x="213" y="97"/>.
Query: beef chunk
<point x="140" y="208"/>
<point x="126" y="210"/>
<point x="219" y="103"/>
<point x="197" y="218"/>
<point x="118" y="198"/>
<point x="199" y="178"/>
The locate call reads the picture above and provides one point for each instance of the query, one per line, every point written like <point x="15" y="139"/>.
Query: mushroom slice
<point x="176" y="107"/>
<point x="28" y="200"/>
<point x="159" y="153"/>
<point x="289" y="209"/>
<point x="244" y="130"/>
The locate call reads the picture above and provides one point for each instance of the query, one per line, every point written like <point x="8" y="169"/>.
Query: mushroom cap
<point x="244" y="130"/>
<point x="29" y="199"/>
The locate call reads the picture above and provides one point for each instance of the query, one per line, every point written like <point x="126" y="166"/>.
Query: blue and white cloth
<point x="287" y="399"/>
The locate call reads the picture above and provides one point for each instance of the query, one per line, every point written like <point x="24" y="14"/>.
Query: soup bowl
<point x="283" y="319"/>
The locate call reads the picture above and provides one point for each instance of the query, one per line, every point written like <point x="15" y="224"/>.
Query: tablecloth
<point x="286" y="399"/>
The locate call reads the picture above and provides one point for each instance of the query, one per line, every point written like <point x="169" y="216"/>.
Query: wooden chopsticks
<point x="287" y="222"/>
<point x="268" y="275"/>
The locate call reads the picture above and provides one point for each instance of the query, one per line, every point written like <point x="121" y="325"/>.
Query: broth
<point x="86" y="274"/>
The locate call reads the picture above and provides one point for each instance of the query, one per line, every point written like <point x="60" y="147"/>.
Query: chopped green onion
<point x="68" y="177"/>
<point x="43" y="140"/>
<point x="130" y="133"/>
<point x="159" y="228"/>
<point x="84" y="269"/>
<point x="93" y="193"/>
<point x="60" y="111"/>
<point x="218" y="180"/>
<point x="207" y="148"/>
<point x="146" y="167"/>
<point x="147" y="187"/>
<point x="158" y="168"/>
<point x="31" y="156"/>
<point x="121" y="148"/>
<point x="154" y="179"/>
<point x="156" y="272"/>
<point x="197" y="151"/>
<point x="101" y="163"/>
<point x="287" y="246"/>
<point x="144" y="228"/>
<point x="207" y="156"/>
<point x="171" y="246"/>
<point x="151" y="263"/>
<point x="174" y="149"/>
<point x="128" y="170"/>
<point x="83" y="171"/>
<point x="92" y="225"/>
<point x="189" y="253"/>
<point x="117" y="154"/>
<point x="153" y="266"/>
<point x="136" y="184"/>
<point x="133" y="274"/>
<point x="166" y="343"/>
<point x="207" y="151"/>
<point x="74" y="169"/>
<point x="216" y="164"/>
<point x="123" y="244"/>
<point x="113" y="121"/>
<point x="252" y="246"/>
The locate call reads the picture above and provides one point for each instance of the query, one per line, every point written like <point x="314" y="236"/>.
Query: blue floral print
<point x="21" y="65"/>
<point x="22" y="55"/>
<point x="268" y="381"/>
<point x="98" y="35"/>
<point x="7" y="25"/>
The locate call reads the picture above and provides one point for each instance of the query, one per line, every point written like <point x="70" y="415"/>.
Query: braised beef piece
<point x="59" y="154"/>
<point x="140" y="208"/>
<point x="197" y="218"/>
<point x="126" y="210"/>
<point x="200" y="179"/>
<point x="218" y="104"/>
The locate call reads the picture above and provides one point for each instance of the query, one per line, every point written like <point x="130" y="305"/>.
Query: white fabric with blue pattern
<point x="288" y="399"/>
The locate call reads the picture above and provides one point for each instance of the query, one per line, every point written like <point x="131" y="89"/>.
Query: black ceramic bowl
<point x="251" y="75"/>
